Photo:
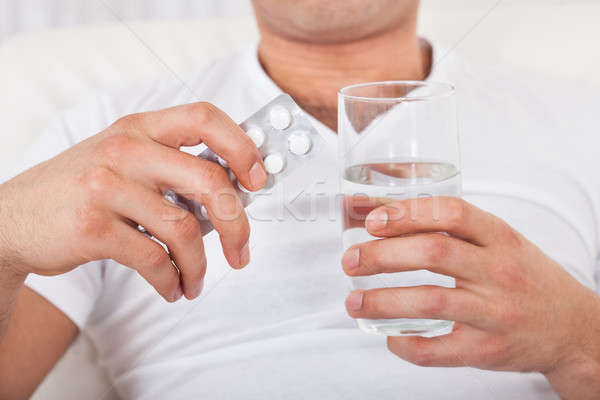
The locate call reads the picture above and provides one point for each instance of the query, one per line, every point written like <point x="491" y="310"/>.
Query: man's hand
<point x="86" y="203"/>
<point x="515" y="308"/>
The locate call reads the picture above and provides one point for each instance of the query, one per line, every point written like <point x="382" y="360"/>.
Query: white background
<point x="557" y="38"/>
<point x="26" y="15"/>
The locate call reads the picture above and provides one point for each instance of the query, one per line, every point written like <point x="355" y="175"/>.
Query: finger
<point x="435" y="252"/>
<point x="357" y="207"/>
<point x="173" y="226"/>
<point x="430" y="302"/>
<point x="434" y="214"/>
<point x="227" y="215"/>
<point x="465" y="346"/>
<point x="134" y="250"/>
<point x="212" y="188"/>
<point x="197" y="180"/>
<point x="192" y="124"/>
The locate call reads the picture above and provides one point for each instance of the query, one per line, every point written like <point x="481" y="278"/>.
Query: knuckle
<point x="507" y="316"/>
<point x="172" y="212"/>
<point x="213" y="176"/>
<point x="227" y="206"/>
<point x="509" y="236"/>
<point x="508" y="275"/>
<point x="421" y="355"/>
<point x="187" y="228"/>
<point x="492" y="351"/>
<point x="156" y="260"/>
<point x="436" y="248"/>
<point x="99" y="180"/>
<point x="435" y="304"/>
<point x="245" y="149"/>
<point x="203" y="113"/>
<point x="128" y="122"/>
<point x="456" y="212"/>
<point x="114" y="147"/>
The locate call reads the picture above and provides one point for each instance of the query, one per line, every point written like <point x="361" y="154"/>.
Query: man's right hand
<point x="86" y="203"/>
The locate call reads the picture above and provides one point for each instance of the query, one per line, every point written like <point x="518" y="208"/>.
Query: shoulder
<point x="546" y="119"/>
<point x="105" y="106"/>
<point x="529" y="96"/>
<point x="531" y="137"/>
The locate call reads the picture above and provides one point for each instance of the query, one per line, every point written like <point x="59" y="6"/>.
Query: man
<point x="278" y="328"/>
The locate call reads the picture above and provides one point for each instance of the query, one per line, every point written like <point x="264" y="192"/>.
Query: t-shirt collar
<point x="270" y="89"/>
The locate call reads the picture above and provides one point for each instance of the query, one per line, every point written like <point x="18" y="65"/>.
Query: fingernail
<point x="377" y="220"/>
<point x="354" y="300"/>
<point x="176" y="294"/>
<point x="245" y="255"/>
<point x="351" y="258"/>
<point x="258" y="175"/>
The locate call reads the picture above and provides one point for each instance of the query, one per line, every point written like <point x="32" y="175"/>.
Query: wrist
<point x="10" y="273"/>
<point x="11" y="283"/>
<point x="11" y="278"/>
<point x="579" y="378"/>
<point x="578" y="370"/>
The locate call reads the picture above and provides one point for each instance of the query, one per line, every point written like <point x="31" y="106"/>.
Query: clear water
<point x="368" y="186"/>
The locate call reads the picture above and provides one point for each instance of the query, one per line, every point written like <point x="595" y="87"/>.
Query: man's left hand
<point x="514" y="307"/>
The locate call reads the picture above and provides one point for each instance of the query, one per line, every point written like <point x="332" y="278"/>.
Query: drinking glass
<point x="397" y="141"/>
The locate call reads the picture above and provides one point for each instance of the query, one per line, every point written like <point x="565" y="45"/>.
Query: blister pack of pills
<point x="285" y="139"/>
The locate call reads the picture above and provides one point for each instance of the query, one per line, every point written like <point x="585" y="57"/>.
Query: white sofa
<point x="42" y="73"/>
<point x="28" y="15"/>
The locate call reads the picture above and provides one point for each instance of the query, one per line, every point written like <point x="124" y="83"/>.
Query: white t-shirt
<point x="278" y="328"/>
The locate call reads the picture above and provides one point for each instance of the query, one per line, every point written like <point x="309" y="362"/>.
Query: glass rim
<point x="447" y="90"/>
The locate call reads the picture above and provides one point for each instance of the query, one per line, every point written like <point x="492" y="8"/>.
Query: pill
<point x="280" y="118"/>
<point x="299" y="143"/>
<point x="274" y="163"/>
<point x="222" y="162"/>
<point x="257" y="135"/>
<point x="282" y="134"/>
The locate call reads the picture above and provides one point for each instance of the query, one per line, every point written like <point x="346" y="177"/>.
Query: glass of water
<point x="397" y="141"/>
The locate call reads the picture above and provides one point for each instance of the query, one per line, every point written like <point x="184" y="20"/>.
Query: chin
<point x="333" y="21"/>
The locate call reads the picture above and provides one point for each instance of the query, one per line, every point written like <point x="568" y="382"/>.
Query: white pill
<point x="257" y="135"/>
<point x="280" y="118"/>
<point x="222" y="162"/>
<point x="299" y="143"/>
<point x="204" y="212"/>
<point x="274" y="163"/>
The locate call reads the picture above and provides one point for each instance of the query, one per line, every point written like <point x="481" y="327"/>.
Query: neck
<point x="313" y="73"/>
